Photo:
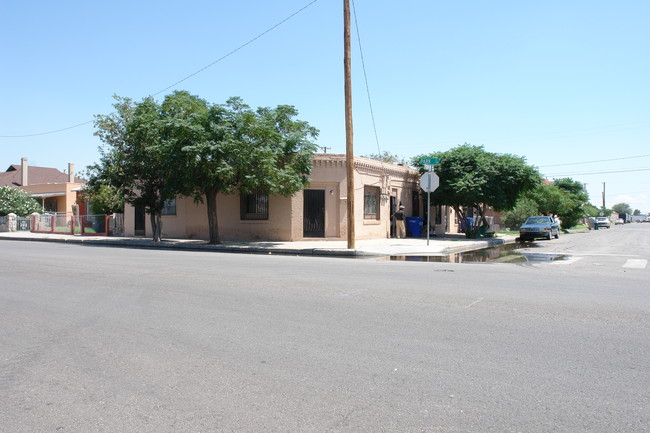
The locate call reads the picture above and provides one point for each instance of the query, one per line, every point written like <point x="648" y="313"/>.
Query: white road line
<point x="473" y="303"/>
<point x="636" y="263"/>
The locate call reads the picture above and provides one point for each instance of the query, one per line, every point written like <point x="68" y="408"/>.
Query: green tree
<point x="134" y="157"/>
<point x="470" y="177"/>
<point x="515" y="217"/>
<point x="388" y="157"/>
<point x="153" y="152"/>
<point x="17" y="201"/>
<point x="622" y="208"/>
<point x="637" y="212"/>
<point x="231" y="148"/>
<point x="576" y="197"/>
<point x="103" y="199"/>
<point x="589" y="210"/>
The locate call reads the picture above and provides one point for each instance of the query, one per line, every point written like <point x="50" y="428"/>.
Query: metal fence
<point x="15" y="223"/>
<point x="66" y="223"/>
<point x="52" y="223"/>
<point x="23" y="224"/>
<point x="99" y="225"/>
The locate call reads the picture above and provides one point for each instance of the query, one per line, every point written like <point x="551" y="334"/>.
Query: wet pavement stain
<point x="500" y="254"/>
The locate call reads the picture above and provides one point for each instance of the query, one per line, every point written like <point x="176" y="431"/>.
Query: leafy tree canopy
<point x="186" y="146"/>
<point x="232" y="148"/>
<point x="388" y="157"/>
<point x="472" y="177"/>
<point x="589" y="210"/>
<point x="134" y="157"/>
<point x="565" y="198"/>
<point x="576" y="197"/>
<point x="103" y="199"/>
<point x="17" y="201"/>
<point x="622" y="208"/>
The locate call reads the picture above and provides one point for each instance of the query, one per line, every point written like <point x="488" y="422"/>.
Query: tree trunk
<point x="156" y="227"/>
<point x="213" y="224"/>
<point x="481" y="212"/>
<point x="470" y="233"/>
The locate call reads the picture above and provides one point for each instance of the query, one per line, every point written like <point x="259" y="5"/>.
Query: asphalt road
<point x="99" y="339"/>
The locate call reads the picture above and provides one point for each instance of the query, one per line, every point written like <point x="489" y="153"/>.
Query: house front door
<point x="393" y="208"/>
<point x="139" y="221"/>
<point x="314" y="213"/>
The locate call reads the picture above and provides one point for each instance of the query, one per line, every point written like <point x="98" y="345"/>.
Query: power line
<point x="238" y="48"/>
<point x="365" y="77"/>
<point x="598" y="172"/>
<point x="590" y="162"/>
<point x="186" y="78"/>
<point x="45" y="133"/>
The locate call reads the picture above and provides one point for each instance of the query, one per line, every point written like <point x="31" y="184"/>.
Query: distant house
<point x="55" y="190"/>
<point x="318" y="212"/>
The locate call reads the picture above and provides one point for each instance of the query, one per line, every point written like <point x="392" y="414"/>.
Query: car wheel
<point x="549" y="236"/>
<point x="557" y="235"/>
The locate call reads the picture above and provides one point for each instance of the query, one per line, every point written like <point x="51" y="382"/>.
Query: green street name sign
<point x="429" y="161"/>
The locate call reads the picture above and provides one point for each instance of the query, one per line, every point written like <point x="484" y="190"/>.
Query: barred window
<point x="371" y="202"/>
<point x="254" y="207"/>
<point x="169" y="208"/>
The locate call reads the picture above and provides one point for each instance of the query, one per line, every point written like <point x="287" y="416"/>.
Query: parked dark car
<point x="539" y="227"/>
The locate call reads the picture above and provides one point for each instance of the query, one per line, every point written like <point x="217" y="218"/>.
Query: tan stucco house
<point x="317" y="212"/>
<point x="55" y="190"/>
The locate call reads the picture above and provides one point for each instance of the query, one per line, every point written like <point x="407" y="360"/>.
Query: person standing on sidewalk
<point x="399" y="222"/>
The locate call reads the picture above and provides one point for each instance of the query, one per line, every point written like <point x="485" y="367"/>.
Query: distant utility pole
<point x="324" y="148"/>
<point x="603" y="195"/>
<point x="349" y="147"/>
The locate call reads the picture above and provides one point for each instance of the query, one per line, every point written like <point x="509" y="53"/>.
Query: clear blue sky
<point x="558" y="82"/>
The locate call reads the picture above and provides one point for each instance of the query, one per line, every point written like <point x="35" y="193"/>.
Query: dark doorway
<point x="139" y="221"/>
<point x="393" y="208"/>
<point x="314" y="214"/>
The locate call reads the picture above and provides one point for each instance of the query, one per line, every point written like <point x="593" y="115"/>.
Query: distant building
<point x="55" y="190"/>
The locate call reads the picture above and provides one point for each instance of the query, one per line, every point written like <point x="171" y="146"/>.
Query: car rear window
<point x="537" y="220"/>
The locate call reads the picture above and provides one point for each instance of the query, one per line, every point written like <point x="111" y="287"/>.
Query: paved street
<point x="96" y="339"/>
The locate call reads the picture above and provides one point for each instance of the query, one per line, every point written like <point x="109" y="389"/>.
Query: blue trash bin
<point x="414" y="226"/>
<point x="467" y="224"/>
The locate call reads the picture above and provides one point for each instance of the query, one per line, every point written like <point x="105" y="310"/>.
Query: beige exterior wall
<point x="65" y="198"/>
<point x="448" y="220"/>
<point x="191" y="221"/>
<point x="286" y="219"/>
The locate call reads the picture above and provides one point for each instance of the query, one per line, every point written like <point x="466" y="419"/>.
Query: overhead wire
<point x="599" y="172"/>
<point x="591" y="162"/>
<point x="365" y="78"/>
<point x="184" y="79"/>
<point x="238" y="48"/>
<point x="46" y="133"/>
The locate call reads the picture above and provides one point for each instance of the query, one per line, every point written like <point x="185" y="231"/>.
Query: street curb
<point x="486" y="243"/>
<point x="167" y="245"/>
<point x="463" y="246"/>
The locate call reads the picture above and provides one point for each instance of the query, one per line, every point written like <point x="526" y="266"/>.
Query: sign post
<point x="429" y="182"/>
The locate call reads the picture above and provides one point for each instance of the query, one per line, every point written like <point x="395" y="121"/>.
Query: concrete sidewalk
<point x="376" y="247"/>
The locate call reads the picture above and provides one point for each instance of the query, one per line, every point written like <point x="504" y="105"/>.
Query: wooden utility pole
<point x="349" y="146"/>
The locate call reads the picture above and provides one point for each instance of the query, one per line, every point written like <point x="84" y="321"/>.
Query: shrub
<point x="17" y="201"/>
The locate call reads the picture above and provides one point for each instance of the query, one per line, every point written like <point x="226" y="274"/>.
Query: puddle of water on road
<point x="499" y="254"/>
